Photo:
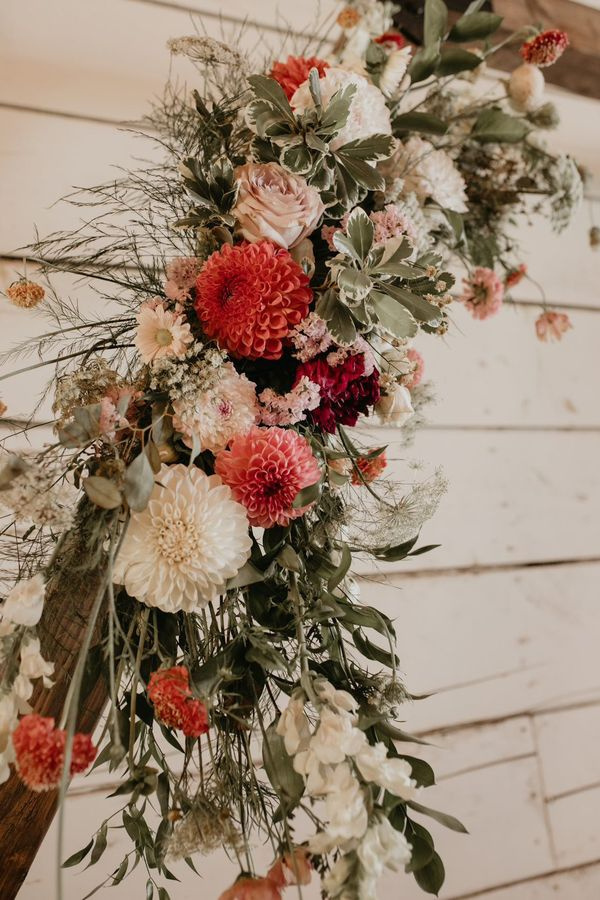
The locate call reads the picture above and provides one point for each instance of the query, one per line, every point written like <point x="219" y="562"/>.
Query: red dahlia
<point x="175" y="706"/>
<point x="346" y="391"/>
<point x="40" y="752"/>
<point x="545" y="48"/>
<point x="250" y="296"/>
<point x="294" y="72"/>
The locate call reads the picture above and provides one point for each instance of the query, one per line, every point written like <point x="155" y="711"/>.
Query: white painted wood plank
<point x="579" y="884"/>
<point x="513" y="497"/>
<point x="282" y="14"/>
<point x="574" y="824"/>
<point x="465" y="749"/>
<point x="568" y="748"/>
<point x="52" y="58"/>
<point x="502" y="844"/>
<point x="494" y="645"/>
<point x="496" y="373"/>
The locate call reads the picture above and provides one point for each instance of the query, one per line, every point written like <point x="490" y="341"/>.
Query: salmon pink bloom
<point x="291" y="868"/>
<point x="175" y="706"/>
<point x="40" y="752"/>
<point x="551" y="325"/>
<point x="515" y="276"/>
<point x="249" y="888"/>
<point x="370" y="468"/>
<point x="295" y="70"/>
<point x="265" y="470"/>
<point x="416" y="376"/>
<point x="483" y="293"/>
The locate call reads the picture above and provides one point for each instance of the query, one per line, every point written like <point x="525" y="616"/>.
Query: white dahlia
<point x="227" y="407"/>
<point x="368" y="114"/>
<point x="427" y="172"/>
<point x="179" y="552"/>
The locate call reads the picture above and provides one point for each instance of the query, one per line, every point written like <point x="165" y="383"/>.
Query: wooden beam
<point x="25" y="815"/>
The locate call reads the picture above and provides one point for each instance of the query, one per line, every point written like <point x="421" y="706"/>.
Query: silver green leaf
<point x="393" y="317"/>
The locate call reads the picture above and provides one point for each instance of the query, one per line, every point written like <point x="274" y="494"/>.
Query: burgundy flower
<point x="346" y="391"/>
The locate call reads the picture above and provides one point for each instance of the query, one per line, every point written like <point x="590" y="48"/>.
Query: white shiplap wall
<point x="503" y="621"/>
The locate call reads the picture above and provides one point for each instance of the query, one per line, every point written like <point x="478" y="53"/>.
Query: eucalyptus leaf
<point x="424" y="123"/>
<point x="308" y="495"/>
<point x="102" y="492"/>
<point x="78" y="856"/>
<point x="443" y="818"/>
<point x="372" y="651"/>
<point x="288" y="784"/>
<point x="455" y="59"/>
<point x="493" y="125"/>
<point x="138" y="483"/>
<point x="423" y="63"/>
<point x="342" y="569"/>
<point x="248" y="574"/>
<point x="436" y="20"/>
<point x="100" y="845"/>
<point x="474" y="26"/>
<point x="430" y="878"/>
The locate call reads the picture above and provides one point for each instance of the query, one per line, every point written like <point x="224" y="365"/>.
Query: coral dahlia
<point x="250" y="296"/>
<point x="175" y="706"/>
<point x="545" y="48"/>
<point x="265" y="470"/>
<point x="346" y="391"/>
<point x="295" y="70"/>
<point x="40" y="752"/>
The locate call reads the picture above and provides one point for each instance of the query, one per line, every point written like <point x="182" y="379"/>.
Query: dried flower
<point x="348" y="17"/>
<point x="526" y="88"/>
<point x="552" y="325"/>
<point x="25" y="603"/>
<point x="40" y="752"/>
<point x="483" y="293"/>
<point x="266" y="469"/>
<point x="181" y="277"/>
<point x="545" y="48"/>
<point x="25" y="294"/>
<point x="174" y="704"/>
<point x="544" y="116"/>
<point x="206" y="50"/>
<point x="370" y="468"/>
<point x="311" y="337"/>
<point x="515" y="276"/>
<point x="250" y="296"/>
<point x="179" y="552"/>
<point x="206" y="827"/>
<point x="275" y="205"/>
<point x="161" y="332"/>
<point x="33" y="496"/>
<point x="224" y="407"/>
<point x="295" y="70"/>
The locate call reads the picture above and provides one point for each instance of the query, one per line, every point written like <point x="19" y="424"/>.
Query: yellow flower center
<point x="177" y="540"/>
<point x="163" y="337"/>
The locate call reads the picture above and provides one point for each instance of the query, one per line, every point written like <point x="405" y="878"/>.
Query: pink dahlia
<point x="370" y="468"/>
<point x="265" y="470"/>
<point x="418" y="368"/>
<point x="551" y="325"/>
<point x="175" y="706"/>
<point x="249" y="297"/>
<point x="346" y="390"/>
<point x="483" y="293"/>
<point x="545" y="48"/>
<point x="40" y="752"/>
<point x="294" y="72"/>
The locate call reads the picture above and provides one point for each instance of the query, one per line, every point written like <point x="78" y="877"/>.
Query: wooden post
<point x="25" y="815"/>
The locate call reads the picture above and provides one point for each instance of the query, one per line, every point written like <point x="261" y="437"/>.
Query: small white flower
<point x="336" y="738"/>
<point x="335" y="881"/>
<point x="340" y="701"/>
<point x="394" y="71"/>
<point x="382" y="847"/>
<point x="345" y="807"/>
<point x="293" y="725"/>
<point x="33" y="664"/>
<point x="25" y="603"/>
<point x="22" y="689"/>
<point x="389" y="772"/>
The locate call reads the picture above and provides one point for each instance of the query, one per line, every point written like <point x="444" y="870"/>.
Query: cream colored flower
<point x="25" y="603"/>
<point x="336" y="738"/>
<point x="526" y="88"/>
<point x="275" y="205"/>
<point x="395" y="406"/>
<point x="225" y="408"/>
<point x="293" y="725"/>
<point x="394" y="71"/>
<point x="428" y="173"/>
<point x="33" y="664"/>
<point x="390" y="772"/>
<point x="345" y="811"/>
<point x="368" y="114"/>
<point x="382" y="847"/>
<point x="8" y="723"/>
<point x="193" y="536"/>
<point x="161" y="332"/>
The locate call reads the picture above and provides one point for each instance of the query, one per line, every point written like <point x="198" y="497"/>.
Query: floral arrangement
<point x="207" y="486"/>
